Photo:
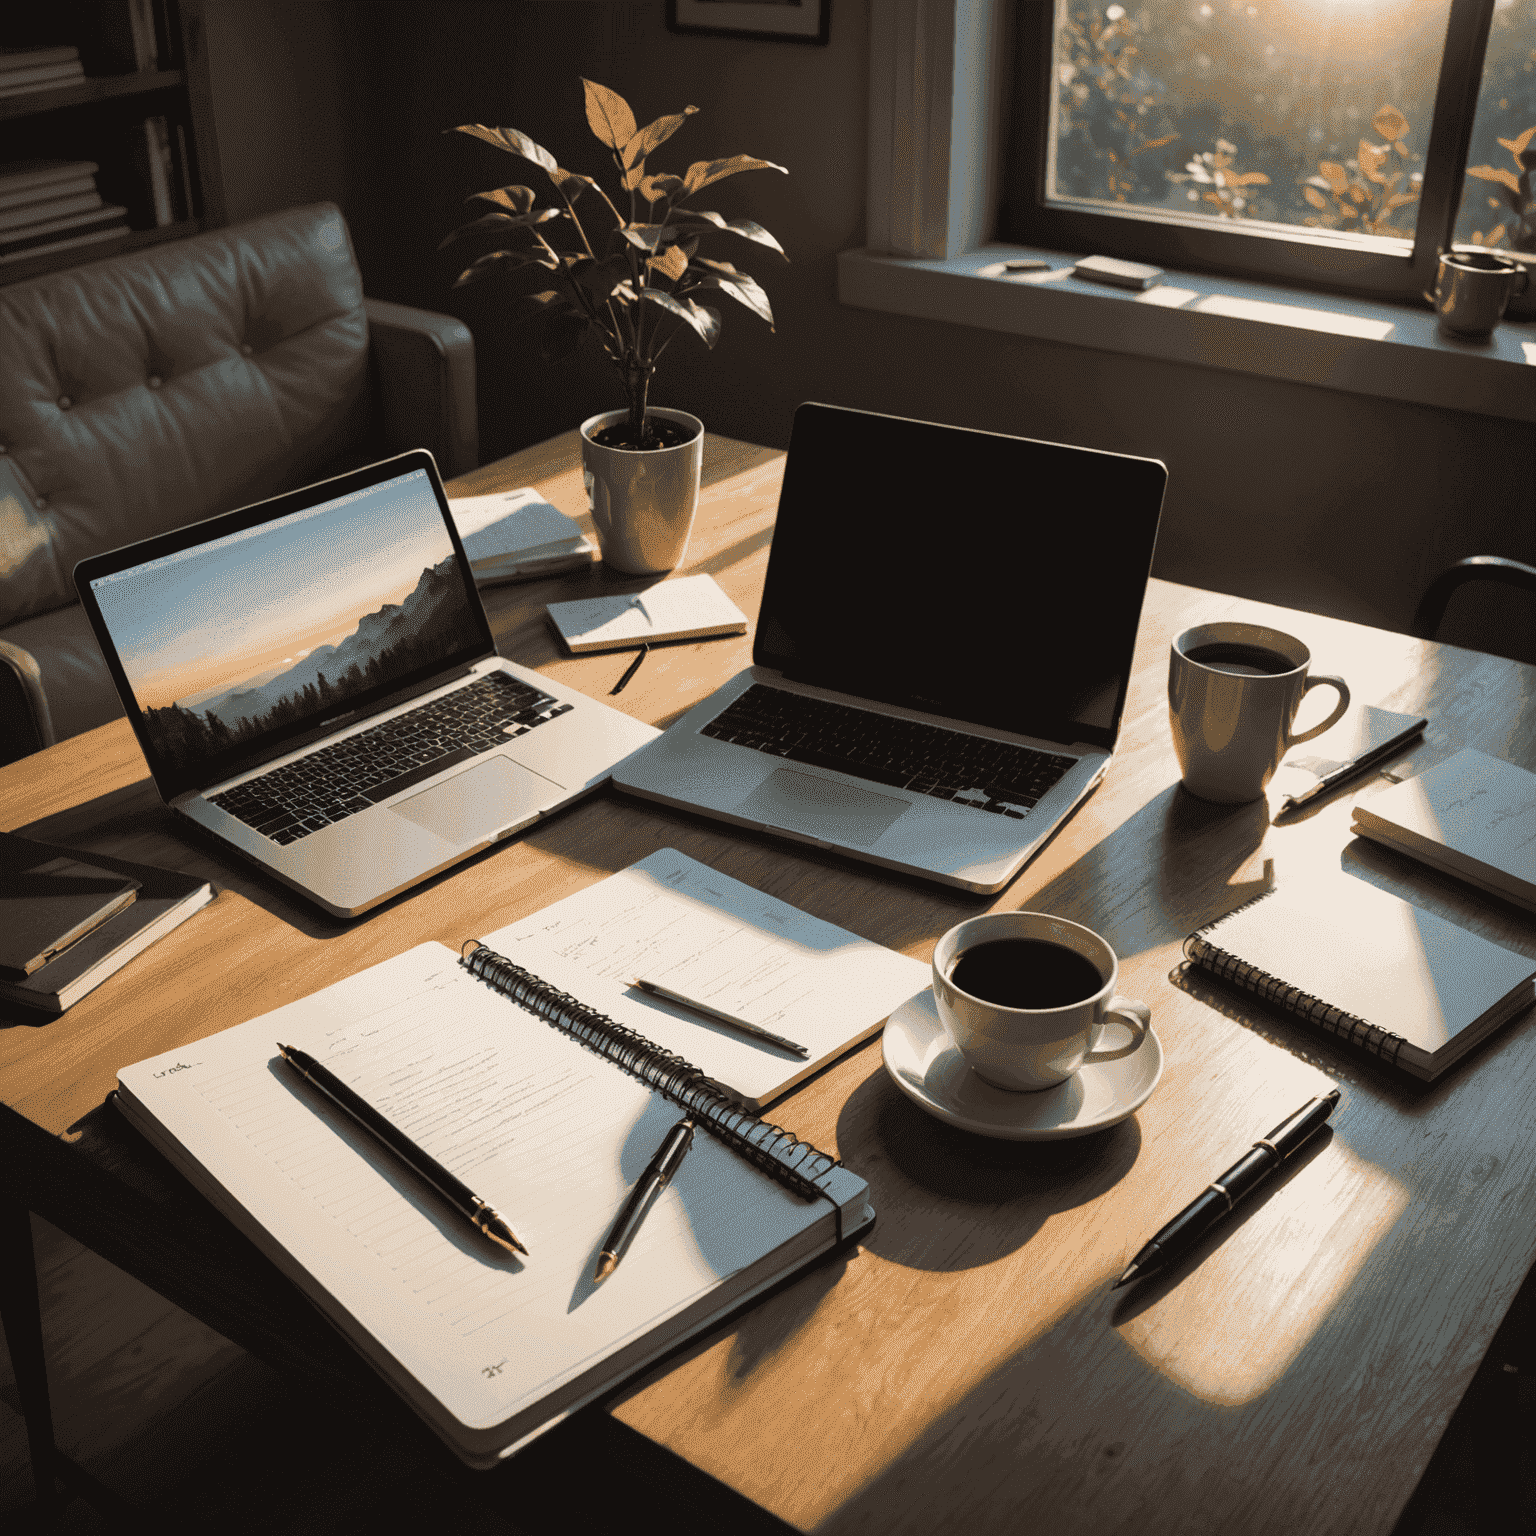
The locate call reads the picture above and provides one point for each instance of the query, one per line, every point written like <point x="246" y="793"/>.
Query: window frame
<point x="1303" y="260"/>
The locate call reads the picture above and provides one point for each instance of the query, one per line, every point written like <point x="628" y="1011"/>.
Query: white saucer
<point x="927" y="1066"/>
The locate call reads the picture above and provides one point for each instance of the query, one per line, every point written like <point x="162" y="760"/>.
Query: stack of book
<point x="25" y="71"/>
<point x="52" y="205"/>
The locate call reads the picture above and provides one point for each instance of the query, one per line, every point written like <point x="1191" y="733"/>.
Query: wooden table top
<point x="968" y="1365"/>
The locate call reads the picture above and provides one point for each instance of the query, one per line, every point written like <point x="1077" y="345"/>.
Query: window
<point x="1333" y="143"/>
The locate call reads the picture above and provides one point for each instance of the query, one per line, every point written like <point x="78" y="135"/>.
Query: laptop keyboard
<point x="339" y="781"/>
<point x="949" y="765"/>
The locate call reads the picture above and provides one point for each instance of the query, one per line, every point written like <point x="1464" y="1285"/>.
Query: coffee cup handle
<point x="1333" y="719"/>
<point x="1136" y="1017"/>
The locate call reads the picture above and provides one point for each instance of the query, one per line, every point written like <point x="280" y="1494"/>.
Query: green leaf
<point x="671" y="263"/>
<point x="652" y="135"/>
<point x="601" y="278"/>
<point x="654" y="188"/>
<point x="513" y="142"/>
<point x="513" y="199"/>
<point x="739" y="285"/>
<point x="500" y="263"/>
<point x="534" y="306"/>
<point x="746" y="228"/>
<point x="650" y="238"/>
<point x="702" y="172"/>
<point x="608" y="115"/>
<point x="504" y="223"/>
<point x="705" y="321"/>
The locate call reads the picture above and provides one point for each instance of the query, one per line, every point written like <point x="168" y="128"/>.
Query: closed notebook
<point x="1473" y="816"/>
<point x="49" y="898"/>
<point x="547" y="1112"/>
<point x="682" y="608"/>
<point x="163" y="900"/>
<point x="1406" y="985"/>
<point x="517" y="535"/>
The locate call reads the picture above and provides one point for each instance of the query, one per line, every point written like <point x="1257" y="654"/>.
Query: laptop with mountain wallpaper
<point x="313" y="681"/>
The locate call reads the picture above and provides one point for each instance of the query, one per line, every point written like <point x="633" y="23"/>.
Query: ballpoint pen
<point x="1217" y="1199"/>
<point x="630" y="670"/>
<point x="366" y="1117"/>
<point x="1368" y="759"/>
<point x="668" y="1159"/>
<point x="719" y="1015"/>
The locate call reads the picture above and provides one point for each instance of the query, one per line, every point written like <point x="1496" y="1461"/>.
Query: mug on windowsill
<point x="1472" y="289"/>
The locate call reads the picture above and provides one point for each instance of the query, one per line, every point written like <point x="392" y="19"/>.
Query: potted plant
<point x="634" y="280"/>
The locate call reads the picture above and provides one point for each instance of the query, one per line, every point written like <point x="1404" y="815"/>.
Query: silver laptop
<point x="942" y="652"/>
<point x="314" y="682"/>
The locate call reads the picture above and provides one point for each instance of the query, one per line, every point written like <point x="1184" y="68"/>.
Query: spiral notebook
<point x="548" y="1110"/>
<point x="1402" y="983"/>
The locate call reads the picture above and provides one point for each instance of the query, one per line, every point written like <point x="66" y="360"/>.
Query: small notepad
<point x="684" y="608"/>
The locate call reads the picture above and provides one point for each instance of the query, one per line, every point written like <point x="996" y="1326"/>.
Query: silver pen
<point x="1368" y="759"/>
<point x="756" y="1030"/>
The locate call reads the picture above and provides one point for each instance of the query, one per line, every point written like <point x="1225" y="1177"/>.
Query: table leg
<point x="22" y="1317"/>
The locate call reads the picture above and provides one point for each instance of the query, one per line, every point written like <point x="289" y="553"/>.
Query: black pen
<point x="1217" y="1199"/>
<point x="1377" y="754"/>
<point x="630" y="671"/>
<point x="364" y="1115"/>
<point x="668" y="1159"/>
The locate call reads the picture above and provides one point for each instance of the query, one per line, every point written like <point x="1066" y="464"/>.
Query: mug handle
<point x="1136" y="1017"/>
<point x="1333" y="719"/>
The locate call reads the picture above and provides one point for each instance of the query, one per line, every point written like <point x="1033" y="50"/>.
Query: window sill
<point x="1363" y="347"/>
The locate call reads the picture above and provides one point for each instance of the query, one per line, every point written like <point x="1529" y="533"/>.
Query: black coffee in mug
<point x="1025" y="973"/>
<point x="1241" y="660"/>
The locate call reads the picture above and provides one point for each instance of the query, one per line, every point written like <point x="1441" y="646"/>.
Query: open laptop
<point x="314" y="682"/>
<point x="942" y="652"/>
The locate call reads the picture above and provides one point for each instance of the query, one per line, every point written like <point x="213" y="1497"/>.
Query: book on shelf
<point x="1472" y="816"/>
<point x="163" y="900"/>
<point x="1403" y="983"/>
<point x="65" y="243"/>
<point x="50" y="234"/>
<point x="153" y="159"/>
<point x="549" y="1112"/>
<point x="19" y="179"/>
<point x="29" y="82"/>
<point x="19" y="220"/>
<point x="56" y="191"/>
<point x="517" y="535"/>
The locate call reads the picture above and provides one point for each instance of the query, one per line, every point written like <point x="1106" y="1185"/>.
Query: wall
<point x="1310" y="497"/>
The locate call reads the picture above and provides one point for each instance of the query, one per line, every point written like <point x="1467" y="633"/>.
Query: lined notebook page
<point x="676" y="921"/>
<point x="548" y="1133"/>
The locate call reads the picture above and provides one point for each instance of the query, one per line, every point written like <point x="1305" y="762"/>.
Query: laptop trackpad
<point x="821" y="807"/>
<point x="477" y="803"/>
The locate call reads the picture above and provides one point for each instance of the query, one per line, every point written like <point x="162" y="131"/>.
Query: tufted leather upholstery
<point x="158" y="388"/>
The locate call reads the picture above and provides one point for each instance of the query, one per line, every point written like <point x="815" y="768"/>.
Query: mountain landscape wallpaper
<point x="288" y="621"/>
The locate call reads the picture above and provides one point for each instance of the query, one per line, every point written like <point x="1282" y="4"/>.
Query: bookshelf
<point x="143" y="62"/>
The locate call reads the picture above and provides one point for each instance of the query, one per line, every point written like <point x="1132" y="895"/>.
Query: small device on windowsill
<point x="1119" y="274"/>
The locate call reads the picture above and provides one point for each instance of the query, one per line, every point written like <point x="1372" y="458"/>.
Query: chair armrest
<point x="26" y="726"/>
<point x="1437" y="596"/>
<point x="424" y="376"/>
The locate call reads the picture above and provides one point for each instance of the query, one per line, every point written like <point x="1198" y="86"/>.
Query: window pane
<point x="1496" y="204"/>
<point x="1276" y="115"/>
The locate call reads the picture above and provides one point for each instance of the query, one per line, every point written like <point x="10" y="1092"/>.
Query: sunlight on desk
<point x="1281" y="1270"/>
<point x="1294" y="314"/>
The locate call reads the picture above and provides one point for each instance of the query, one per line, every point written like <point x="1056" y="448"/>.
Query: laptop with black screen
<point x="942" y="653"/>
<point x="313" y="681"/>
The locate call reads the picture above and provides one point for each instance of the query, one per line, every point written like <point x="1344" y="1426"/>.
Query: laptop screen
<point x="246" y="635"/>
<point x="991" y="579"/>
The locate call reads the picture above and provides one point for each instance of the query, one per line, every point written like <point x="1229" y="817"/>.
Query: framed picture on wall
<point x="788" y="21"/>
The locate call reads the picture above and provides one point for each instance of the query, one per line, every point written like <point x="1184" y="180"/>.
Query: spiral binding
<point x="1271" y="989"/>
<point x="793" y="1163"/>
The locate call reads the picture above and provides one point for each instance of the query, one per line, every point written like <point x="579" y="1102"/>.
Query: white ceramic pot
<point x="642" y="499"/>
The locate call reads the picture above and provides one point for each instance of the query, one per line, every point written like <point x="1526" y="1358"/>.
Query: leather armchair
<point x="164" y="386"/>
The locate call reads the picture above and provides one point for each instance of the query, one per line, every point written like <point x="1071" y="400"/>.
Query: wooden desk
<point x="967" y="1368"/>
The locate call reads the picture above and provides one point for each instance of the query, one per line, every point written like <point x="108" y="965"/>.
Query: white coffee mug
<point x="1231" y="719"/>
<point x="1027" y="1049"/>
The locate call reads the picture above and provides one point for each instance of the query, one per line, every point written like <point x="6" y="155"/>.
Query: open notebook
<point x="489" y="1350"/>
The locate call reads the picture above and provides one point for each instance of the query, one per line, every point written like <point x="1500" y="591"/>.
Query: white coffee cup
<point x="1025" y="1049"/>
<point x="1231" y="721"/>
